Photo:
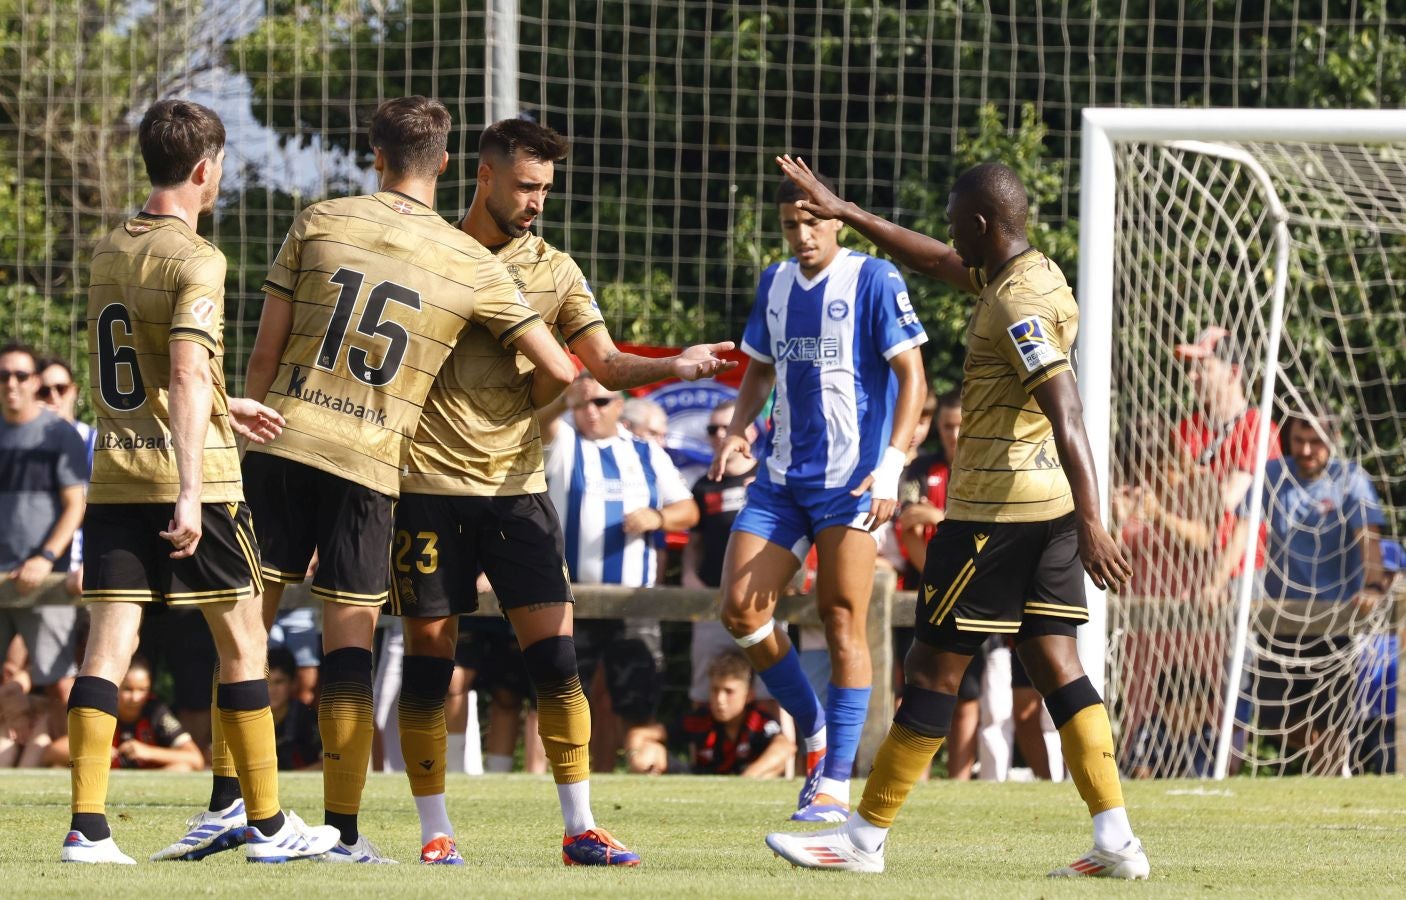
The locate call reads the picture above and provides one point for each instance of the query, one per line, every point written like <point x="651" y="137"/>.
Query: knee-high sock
<point x="224" y="785"/>
<point x="845" y="709"/>
<point x="1087" y="740"/>
<point x="248" y="726"/>
<point x="420" y="714"/>
<point x="92" y="722"/>
<point x="919" y="728"/>
<point x="346" y="718"/>
<point x="564" y="723"/>
<point x="786" y="681"/>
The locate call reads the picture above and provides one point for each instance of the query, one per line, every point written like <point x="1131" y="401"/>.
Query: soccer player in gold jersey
<point x="474" y="496"/>
<point x="1022" y="515"/>
<point x="166" y="517"/>
<point x="365" y="301"/>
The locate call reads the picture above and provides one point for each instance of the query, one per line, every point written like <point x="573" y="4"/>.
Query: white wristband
<point x="887" y="473"/>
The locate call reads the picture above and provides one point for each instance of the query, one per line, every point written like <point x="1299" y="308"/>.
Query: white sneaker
<point x="208" y="833"/>
<point x="295" y="840"/>
<point x="1130" y="863"/>
<point x="78" y="849"/>
<point x="830" y="849"/>
<point x="363" y="851"/>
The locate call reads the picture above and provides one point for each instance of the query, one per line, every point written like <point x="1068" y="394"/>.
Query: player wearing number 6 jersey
<point x="365" y="300"/>
<point x="166" y="517"/>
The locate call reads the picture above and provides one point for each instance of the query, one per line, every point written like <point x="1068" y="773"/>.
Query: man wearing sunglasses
<point x="43" y="469"/>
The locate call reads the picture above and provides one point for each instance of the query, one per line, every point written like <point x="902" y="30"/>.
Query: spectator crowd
<point x="1180" y="504"/>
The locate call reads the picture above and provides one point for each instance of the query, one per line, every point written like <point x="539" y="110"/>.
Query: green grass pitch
<point x="702" y="837"/>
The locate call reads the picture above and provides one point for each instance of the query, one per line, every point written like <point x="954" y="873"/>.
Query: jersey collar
<point x="809" y="283"/>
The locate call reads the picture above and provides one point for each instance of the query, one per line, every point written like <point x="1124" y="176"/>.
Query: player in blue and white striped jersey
<point x="835" y="333"/>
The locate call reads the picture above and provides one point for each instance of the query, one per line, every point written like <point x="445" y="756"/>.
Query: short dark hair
<point x="281" y="659"/>
<point x="999" y="194"/>
<point x="175" y="135"/>
<point x="950" y="399"/>
<point x="45" y="362"/>
<point x="21" y="347"/>
<point x="139" y="662"/>
<point x="790" y="192"/>
<point x="1330" y="425"/>
<point x="413" y="133"/>
<point x="730" y="664"/>
<point x="512" y="136"/>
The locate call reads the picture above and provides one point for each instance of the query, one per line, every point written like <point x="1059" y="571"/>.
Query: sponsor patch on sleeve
<point x="1034" y="346"/>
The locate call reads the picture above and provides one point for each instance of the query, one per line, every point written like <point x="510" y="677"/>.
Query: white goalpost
<point x="1274" y="237"/>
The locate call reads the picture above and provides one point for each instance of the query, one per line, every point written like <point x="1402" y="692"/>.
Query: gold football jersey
<point x="479" y="433"/>
<point x="1019" y="337"/>
<point x="154" y="281"/>
<point x="382" y="289"/>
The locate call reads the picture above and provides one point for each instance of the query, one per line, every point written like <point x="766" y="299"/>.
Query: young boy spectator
<point x="149" y="736"/>
<point x="732" y="737"/>
<point x="294" y="724"/>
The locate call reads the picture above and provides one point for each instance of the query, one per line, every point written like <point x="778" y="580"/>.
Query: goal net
<point x="1256" y="472"/>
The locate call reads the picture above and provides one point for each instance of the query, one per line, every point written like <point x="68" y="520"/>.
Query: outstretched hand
<point x="702" y="361"/>
<point x="822" y="202"/>
<point x="253" y="420"/>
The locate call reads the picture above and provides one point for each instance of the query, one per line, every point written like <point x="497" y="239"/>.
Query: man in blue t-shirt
<point x="1324" y="521"/>
<point x="834" y="332"/>
<point x="43" y="471"/>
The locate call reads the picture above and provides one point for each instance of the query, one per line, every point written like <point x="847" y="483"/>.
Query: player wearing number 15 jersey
<point x="166" y="520"/>
<point x="365" y="300"/>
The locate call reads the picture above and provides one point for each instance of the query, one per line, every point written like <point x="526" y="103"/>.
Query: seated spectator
<point x="294" y="723"/>
<point x="24" y="732"/>
<point x="1178" y="738"/>
<point x="148" y="734"/>
<point x="734" y="736"/>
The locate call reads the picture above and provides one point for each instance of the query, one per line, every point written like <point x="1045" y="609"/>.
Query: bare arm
<point x="549" y="418"/>
<point x="275" y="324"/>
<point x="553" y="369"/>
<point x="756" y="386"/>
<point x="680" y="515"/>
<point x="883" y="481"/>
<point x="1375" y="579"/>
<point x="1230" y="556"/>
<point x="191" y="396"/>
<point x="618" y="371"/>
<point x="31" y="573"/>
<point x="1059" y="401"/>
<point x="183" y="754"/>
<point x="692" y="557"/>
<point x="916" y="251"/>
<point x="772" y="762"/>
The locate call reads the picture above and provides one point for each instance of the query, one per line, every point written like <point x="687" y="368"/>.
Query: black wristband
<point x="46" y="553"/>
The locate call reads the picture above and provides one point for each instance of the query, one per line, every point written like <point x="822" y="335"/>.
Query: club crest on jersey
<point x="586" y="286"/>
<point x="204" y="311"/>
<point x="402" y="207"/>
<point x="837" y="310"/>
<point x="1035" y="348"/>
<point x="824" y="351"/>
